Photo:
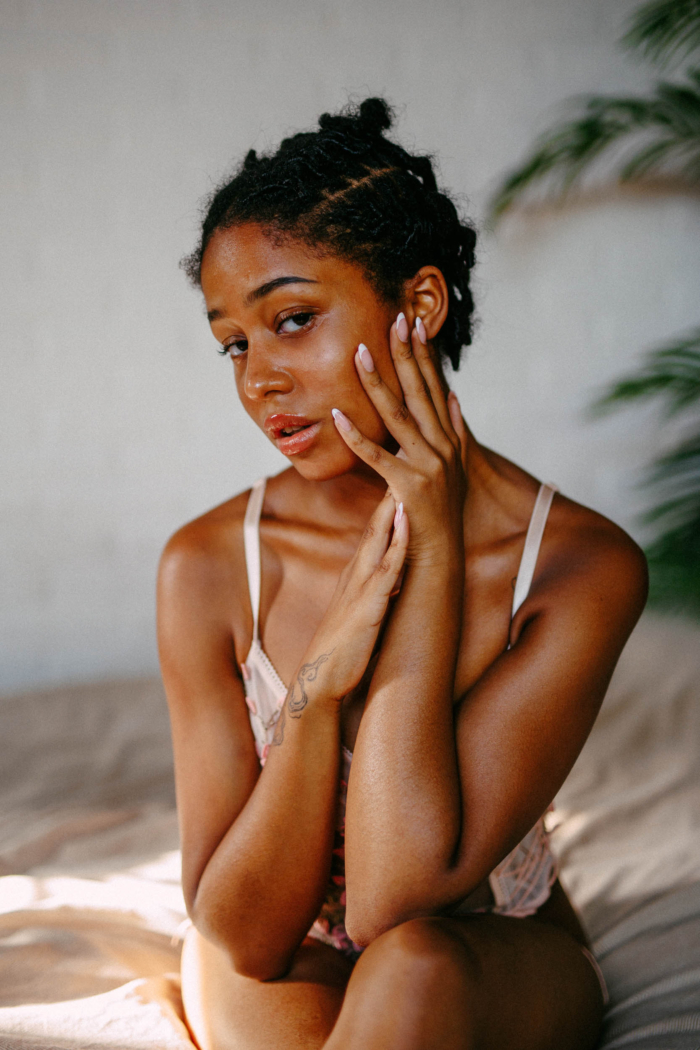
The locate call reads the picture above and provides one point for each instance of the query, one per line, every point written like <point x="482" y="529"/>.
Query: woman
<point x="401" y="597"/>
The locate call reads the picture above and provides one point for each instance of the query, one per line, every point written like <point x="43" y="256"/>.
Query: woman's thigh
<point x="481" y="983"/>
<point x="226" y="1011"/>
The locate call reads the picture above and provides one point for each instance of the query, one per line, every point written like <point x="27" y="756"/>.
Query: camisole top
<point x="522" y="881"/>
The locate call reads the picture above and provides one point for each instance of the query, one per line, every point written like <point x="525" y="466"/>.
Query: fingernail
<point x="366" y="358"/>
<point x="422" y="334"/>
<point x="402" y="328"/>
<point x="455" y="409"/>
<point x="398" y="516"/>
<point x="340" y="419"/>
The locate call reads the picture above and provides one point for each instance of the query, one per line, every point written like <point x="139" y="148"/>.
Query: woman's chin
<point x="319" y="466"/>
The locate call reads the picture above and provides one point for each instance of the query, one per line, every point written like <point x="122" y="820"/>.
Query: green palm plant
<point x="651" y="138"/>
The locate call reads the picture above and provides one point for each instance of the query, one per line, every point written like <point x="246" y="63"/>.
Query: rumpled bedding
<point x="90" y="902"/>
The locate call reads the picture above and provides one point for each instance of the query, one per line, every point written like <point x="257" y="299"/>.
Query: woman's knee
<point x="415" y="986"/>
<point x="428" y="948"/>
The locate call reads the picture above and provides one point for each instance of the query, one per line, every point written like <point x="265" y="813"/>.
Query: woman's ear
<point x="427" y="297"/>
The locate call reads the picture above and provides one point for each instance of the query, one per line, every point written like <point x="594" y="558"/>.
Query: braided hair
<point x="348" y="190"/>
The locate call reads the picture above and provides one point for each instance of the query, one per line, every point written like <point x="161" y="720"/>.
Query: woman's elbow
<point x="258" y="966"/>
<point x="374" y="912"/>
<point x="367" y="919"/>
<point x="252" y="960"/>
<point x="246" y="955"/>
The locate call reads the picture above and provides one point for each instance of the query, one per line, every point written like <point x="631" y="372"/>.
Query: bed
<point x="91" y="910"/>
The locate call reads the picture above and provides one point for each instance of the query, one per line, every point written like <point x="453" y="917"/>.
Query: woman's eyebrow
<point x="270" y="286"/>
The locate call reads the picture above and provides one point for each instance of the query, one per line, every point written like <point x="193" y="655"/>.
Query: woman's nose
<point x="264" y="375"/>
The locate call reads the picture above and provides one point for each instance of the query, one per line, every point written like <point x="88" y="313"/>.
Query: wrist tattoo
<point x="307" y="673"/>
<point x="297" y="703"/>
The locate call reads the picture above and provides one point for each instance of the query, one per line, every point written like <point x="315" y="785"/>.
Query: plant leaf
<point x="674" y="555"/>
<point x="671" y="372"/>
<point x="670" y="116"/>
<point x="664" y="30"/>
<point x="674" y="569"/>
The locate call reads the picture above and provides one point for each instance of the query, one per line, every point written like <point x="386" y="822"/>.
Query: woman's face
<point x="291" y="323"/>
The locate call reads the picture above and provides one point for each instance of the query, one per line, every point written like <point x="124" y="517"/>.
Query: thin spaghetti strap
<point x="531" y="549"/>
<point x="251" y="542"/>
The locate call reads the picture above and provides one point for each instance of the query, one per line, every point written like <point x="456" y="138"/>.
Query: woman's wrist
<point x="444" y="557"/>
<point x="313" y="681"/>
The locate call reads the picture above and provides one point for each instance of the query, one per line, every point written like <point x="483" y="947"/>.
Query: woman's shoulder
<point x="214" y="535"/>
<point x="217" y="534"/>
<point x="590" y="563"/>
<point x="585" y="560"/>
<point x="576" y="540"/>
<point x="204" y="560"/>
<point x="586" y="540"/>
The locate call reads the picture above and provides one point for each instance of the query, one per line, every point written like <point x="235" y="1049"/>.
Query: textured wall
<point x="117" y="419"/>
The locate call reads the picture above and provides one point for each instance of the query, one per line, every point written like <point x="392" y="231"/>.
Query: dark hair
<point x="348" y="189"/>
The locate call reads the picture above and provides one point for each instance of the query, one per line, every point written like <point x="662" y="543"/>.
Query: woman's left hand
<point x="427" y="474"/>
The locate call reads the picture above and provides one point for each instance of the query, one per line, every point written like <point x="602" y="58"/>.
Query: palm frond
<point x="675" y="478"/>
<point x="649" y="136"/>
<point x="674" y="569"/>
<point x="671" y="116"/>
<point x="664" y="30"/>
<point x="672" y="372"/>
<point x="674" y="555"/>
<point x="680" y="468"/>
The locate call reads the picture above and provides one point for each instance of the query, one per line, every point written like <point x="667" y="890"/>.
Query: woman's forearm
<point x="404" y="820"/>
<point x="264" y="884"/>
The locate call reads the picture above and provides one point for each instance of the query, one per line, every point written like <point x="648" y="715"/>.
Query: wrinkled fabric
<point x="91" y="907"/>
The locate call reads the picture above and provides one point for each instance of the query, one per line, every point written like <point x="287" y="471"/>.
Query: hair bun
<point x="375" y="116"/>
<point x="367" y="121"/>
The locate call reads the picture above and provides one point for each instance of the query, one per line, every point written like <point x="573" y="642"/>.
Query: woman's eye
<point x="235" y="349"/>
<point x="295" y="322"/>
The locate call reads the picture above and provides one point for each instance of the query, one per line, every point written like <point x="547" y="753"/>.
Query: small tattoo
<point x="307" y="673"/>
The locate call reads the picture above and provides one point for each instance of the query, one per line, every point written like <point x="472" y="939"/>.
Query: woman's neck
<point x="346" y="502"/>
<point x="494" y="493"/>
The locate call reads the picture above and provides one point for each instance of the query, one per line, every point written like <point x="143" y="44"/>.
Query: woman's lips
<point x="292" y="434"/>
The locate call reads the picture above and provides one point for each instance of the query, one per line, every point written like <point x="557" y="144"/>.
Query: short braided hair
<point x="348" y="190"/>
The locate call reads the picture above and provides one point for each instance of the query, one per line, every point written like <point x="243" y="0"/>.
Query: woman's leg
<point x="481" y="983"/>
<point x="226" y="1011"/>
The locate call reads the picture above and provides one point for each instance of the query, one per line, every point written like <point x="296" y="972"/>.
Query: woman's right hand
<point x="342" y="647"/>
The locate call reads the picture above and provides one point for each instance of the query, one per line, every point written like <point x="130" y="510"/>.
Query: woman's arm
<point x="447" y="804"/>
<point x="432" y="807"/>
<point x="257" y="845"/>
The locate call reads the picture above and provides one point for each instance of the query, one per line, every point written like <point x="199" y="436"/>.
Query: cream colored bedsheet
<point x="90" y="902"/>
<point x="627" y="820"/>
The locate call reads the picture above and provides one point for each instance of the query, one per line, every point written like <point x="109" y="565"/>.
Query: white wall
<point x="119" y="421"/>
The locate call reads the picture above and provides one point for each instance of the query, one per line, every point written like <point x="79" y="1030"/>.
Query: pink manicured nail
<point x="402" y="328"/>
<point x="342" y="421"/>
<point x="366" y="358"/>
<point x="422" y="334"/>
<point x="398" y="516"/>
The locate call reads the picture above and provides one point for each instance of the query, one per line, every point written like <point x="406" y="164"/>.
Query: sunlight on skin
<point x="314" y="368"/>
